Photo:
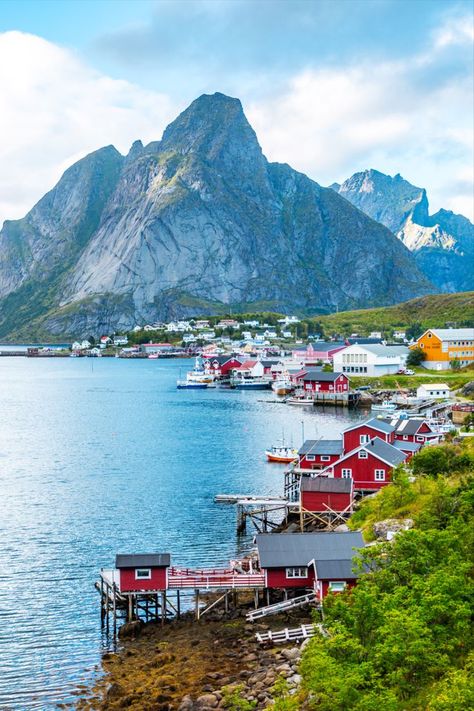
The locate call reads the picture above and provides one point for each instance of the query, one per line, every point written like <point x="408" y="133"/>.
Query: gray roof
<point x="326" y="345"/>
<point x="379" y="349"/>
<point x="409" y="426"/>
<point x="323" y="377"/>
<point x="453" y="334"/>
<point x="377" y="423"/>
<point x="407" y="446"/>
<point x="281" y="550"/>
<point x="321" y="446"/>
<point x="385" y="451"/>
<point x="326" y="484"/>
<point x="363" y="341"/>
<point x="143" y="560"/>
<point x="335" y="569"/>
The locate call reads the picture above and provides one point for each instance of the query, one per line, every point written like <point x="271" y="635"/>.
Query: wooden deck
<point x="200" y="579"/>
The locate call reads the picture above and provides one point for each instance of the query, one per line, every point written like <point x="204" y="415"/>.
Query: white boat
<point x="282" y="386"/>
<point x="385" y="406"/>
<point x="281" y="453"/>
<point x="299" y="401"/>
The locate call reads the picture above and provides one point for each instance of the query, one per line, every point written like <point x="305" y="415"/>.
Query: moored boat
<point x="181" y="384"/>
<point x="299" y="401"/>
<point x="282" y="386"/>
<point x="385" y="406"/>
<point x="281" y="454"/>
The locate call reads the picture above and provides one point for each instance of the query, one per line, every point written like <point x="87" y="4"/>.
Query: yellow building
<point x="442" y="345"/>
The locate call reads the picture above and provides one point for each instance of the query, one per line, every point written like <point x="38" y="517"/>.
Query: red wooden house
<point x="409" y="448"/>
<point x="363" y="432"/>
<point x="414" y="429"/>
<point x="321" y="561"/>
<point x="319" y="453"/>
<point x="142" y="572"/>
<point x="221" y="365"/>
<point x="318" y="494"/>
<point x="370" y="465"/>
<point x="318" y="381"/>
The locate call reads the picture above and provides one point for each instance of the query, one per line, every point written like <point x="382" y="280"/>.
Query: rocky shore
<point x="196" y="666"/>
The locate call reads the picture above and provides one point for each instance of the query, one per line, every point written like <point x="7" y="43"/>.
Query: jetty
<point x="260" y="510"/>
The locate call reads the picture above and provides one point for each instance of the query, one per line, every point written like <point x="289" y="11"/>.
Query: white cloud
<point x="413" y="117"/>
<point x="55" y="109"/>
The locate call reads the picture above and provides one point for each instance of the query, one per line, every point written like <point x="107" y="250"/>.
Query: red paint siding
<point x="315" y="500"/>
<point x="340" y="385"/>
<point x="352" y="438"/>
<point x="317" y="462"/>
<point x="325" y="584"/>
<point x="363" y="471"/>
<point x="129" y="584"/>
<point x="276" y="578"/>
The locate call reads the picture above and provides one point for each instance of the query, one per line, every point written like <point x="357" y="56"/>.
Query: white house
<point x="372" y="359"/>
<point x="120" y="340"/>
<point x="189" y="338"/>
<point x="375" y="334"/>
<point x="435" y="391"/>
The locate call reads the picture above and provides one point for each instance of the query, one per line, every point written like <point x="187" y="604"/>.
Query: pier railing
<point x="213" y="578"/>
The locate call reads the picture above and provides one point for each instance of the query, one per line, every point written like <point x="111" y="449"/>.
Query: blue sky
<point x="331" y="86"/>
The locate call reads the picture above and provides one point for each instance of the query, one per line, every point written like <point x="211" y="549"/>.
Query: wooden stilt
<point x="197" y="604"/>
<point x="178" y="604"/>
<point x="163" y="608"/>
<point x="130" y="608"/>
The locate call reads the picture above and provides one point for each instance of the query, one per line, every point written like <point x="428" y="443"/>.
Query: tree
<point x="455" y="364"/>
<point x="416" y="356"/>
<point x="91" y="340"/>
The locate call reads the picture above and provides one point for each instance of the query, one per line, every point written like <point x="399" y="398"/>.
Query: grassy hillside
<point x="436" y="310"/>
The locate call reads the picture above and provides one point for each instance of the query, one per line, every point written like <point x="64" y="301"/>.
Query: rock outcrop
<point x="442" y="244"/>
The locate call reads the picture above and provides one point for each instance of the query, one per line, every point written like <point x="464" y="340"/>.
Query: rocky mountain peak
<point x="214" y="126"/>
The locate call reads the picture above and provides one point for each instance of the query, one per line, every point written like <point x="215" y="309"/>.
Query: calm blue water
<point x="99" y="456"/>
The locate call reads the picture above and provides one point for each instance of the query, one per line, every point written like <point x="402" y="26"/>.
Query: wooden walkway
<point x="288" y="635"/>
<point x="284" y="606"/>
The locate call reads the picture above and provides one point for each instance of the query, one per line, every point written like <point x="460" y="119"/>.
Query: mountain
<point x="197" y="222"/>
<point x="442" y="244"/>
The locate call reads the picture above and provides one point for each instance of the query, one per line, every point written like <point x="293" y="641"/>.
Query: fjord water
<point x="99" y="456"/>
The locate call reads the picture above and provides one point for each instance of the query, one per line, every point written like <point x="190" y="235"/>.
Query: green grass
<point x="455" y="380"/>
<point x="433" y="311"/>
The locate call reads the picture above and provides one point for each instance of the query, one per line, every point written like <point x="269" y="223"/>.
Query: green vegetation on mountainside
<point x="433" y="311"/>
<point x="402" y="639"/>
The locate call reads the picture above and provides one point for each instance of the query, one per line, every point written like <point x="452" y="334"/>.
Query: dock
<point x="260" y="510"/>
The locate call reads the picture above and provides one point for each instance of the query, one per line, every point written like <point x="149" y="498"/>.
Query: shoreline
<point x="191" y="665"/>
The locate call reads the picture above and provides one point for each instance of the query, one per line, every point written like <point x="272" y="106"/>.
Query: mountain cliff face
<point x="442" y="244"/>
<point x="197" y="222"/>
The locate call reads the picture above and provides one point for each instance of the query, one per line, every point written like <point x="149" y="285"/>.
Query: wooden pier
<point x="259" y="510"/>
<point x="161" y="605"/>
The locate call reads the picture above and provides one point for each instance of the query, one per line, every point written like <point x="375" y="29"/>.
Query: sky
<point x="331" y="87"/>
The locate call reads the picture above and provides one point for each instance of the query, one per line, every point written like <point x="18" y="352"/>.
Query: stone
<point x="205" y="702"/>
<point x="131" y="630"/>
<point x="386" y="529"/>
<point x="187" y="704"/>
<point x="114" y="691"/>
<point x="291" y="654"/>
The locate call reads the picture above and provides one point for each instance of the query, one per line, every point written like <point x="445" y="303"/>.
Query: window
<point x="325" y="458"/>
<point x="346" y="473"/>
<point x="380" y="475"/>
<point x="142" y="573"/>
<point x="419" y="438"/>
<point x="364" y="439"/>
<point x="363" y="454"/>
<point x="297" y="572"/>
<point x="310" y="457"/>
<point x="336" y="586"/>
<point x="405" y="437"/>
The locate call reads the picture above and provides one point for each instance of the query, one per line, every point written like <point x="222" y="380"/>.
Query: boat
<point x="181" y="384"/>
<point x="281" y="453"/>
<point x="282" y="386"/>
<point x="385" y="406"/>
<point x="153" y="356"/>
<point x="242" y="381"/>
<point x="299" y="401"/>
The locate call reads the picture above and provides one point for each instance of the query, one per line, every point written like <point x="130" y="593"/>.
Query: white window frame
<point x="420" y="438"/>
<point x="310" y="457"/>
<point x="138" y="572"/>
<point x="379" y="474"/>
<point x="363" y="454"/>
<point x="364" y="439"/>
<point x="405" y="438"/>
<point x="325" y="458"/>
<point x="297" y="572"/>
<point x="346" y="473"/>
<point x="337" y="586"/>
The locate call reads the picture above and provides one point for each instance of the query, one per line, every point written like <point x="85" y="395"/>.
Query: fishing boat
<point x="282" y="386"/>
<point x="198" y="374"/>
<point x="281" y="453"/>
<point x="153" y="356"/>
<point x="385" y="406"/>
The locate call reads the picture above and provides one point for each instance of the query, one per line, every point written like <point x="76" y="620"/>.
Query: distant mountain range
<point x="442" y="244"/>
<point x="199" y="222"/>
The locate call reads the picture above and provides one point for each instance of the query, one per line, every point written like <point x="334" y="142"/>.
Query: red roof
<point x="247" y="365"/>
